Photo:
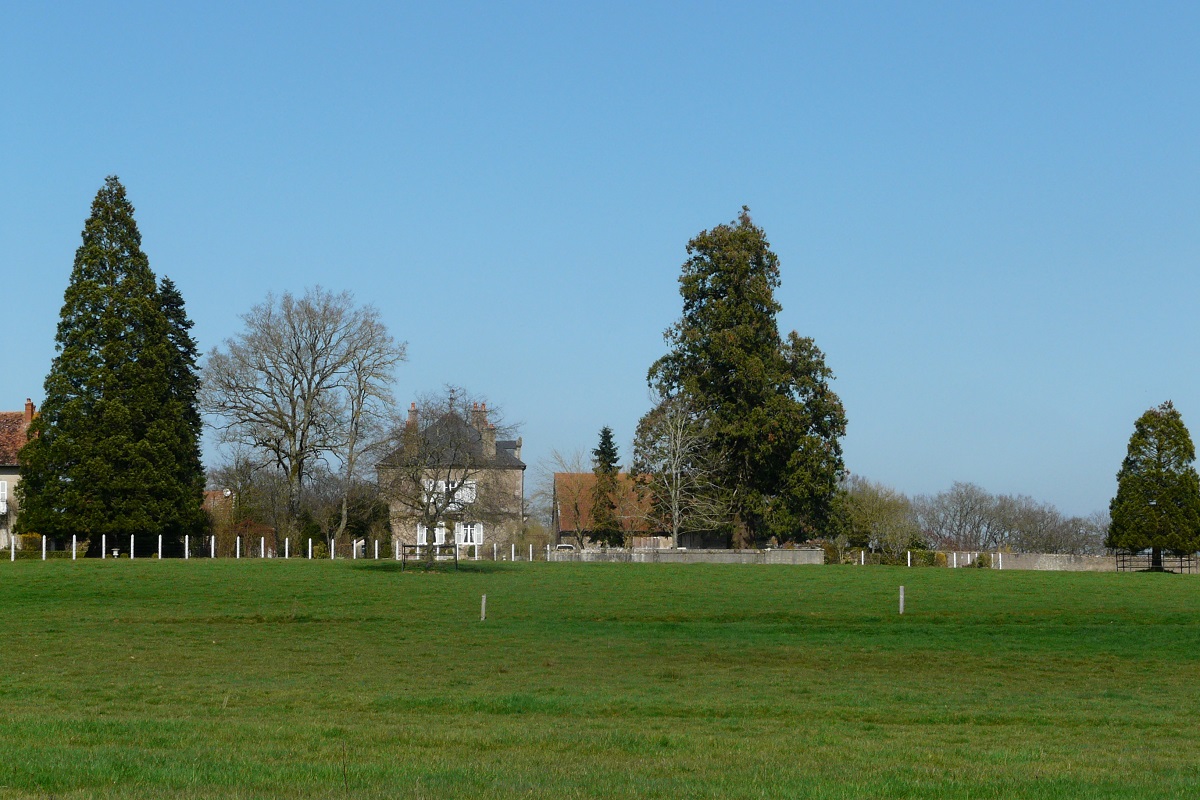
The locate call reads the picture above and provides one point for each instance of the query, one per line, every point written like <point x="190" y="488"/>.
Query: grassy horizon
<point x="352" y="679"/>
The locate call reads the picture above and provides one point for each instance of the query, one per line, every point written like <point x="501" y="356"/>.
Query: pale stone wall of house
<point x="502" y="519"/>
<point x="12" y="476"/>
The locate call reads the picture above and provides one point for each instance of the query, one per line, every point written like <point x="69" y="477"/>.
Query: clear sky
<point x="987" y="214"/>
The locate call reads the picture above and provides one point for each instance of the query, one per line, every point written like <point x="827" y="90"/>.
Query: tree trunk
<point x="1156" y="563"/>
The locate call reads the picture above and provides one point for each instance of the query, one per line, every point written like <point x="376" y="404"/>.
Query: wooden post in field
<point x="43" y="547"/>
<point x="901" y="599"/>
<point x="72" y="547"/>
<point x="160" y="547"/>
<point x="483" y="609"/>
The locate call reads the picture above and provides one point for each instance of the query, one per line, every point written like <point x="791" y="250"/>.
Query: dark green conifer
<point x="773" y="424"/>
<point x="104" y="454"/>
<point x="1157" y="506"/>
<point x="606" y="522"/>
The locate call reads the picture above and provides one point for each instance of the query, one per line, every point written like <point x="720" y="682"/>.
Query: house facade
<point x="451" y="481"/>
<point x="13" y="432"/>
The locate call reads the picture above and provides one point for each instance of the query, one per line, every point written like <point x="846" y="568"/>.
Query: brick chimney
<point x="30" y="409"/>
<point x="479" y="420"/>
<point x="488" y="434"/>
<point x="412" y="417"/>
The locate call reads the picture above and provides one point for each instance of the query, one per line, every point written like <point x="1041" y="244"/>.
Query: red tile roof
<point x="12" y="436"/>
<point x="573" y="497"/>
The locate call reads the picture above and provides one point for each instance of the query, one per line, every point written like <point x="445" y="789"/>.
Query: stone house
<point x="451" y="481"/>
<point x="13" y="428"/>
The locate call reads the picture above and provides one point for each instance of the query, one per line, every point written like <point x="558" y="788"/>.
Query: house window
<point x="468" y="533"/>
<point x="3" y="497"/>
<point x="439" y="534"/>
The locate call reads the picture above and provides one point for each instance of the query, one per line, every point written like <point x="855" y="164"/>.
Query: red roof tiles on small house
<point x="573" y="499"/>
<point x="13" y="425"/>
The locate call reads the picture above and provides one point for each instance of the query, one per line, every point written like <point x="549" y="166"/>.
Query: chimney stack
<point x="29" y="411"/>
<point x="489" y="441"/>
<point x="479" y="420"/>
<point x="412" y="417"/>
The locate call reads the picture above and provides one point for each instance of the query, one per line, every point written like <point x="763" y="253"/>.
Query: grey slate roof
<point x="453" y="441"/>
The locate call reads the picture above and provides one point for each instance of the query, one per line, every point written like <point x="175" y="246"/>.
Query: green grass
<point x="249" y="679"/>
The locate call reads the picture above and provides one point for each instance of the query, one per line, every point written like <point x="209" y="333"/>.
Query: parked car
<point x="564" y="546"/>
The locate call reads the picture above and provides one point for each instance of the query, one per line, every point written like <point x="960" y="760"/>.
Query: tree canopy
<point x="1157" y="505"/>
<point x="115" y="450"/>
<point x="766" y="402"/>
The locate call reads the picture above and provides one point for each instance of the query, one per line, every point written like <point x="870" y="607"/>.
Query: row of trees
<point x="964" y="517"/>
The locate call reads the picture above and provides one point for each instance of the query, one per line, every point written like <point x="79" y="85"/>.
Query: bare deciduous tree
<point x="300" y="383"/>
<point x="673" y="462"/>
<point x="567" y="492"/>
<point x="882" y="517"/>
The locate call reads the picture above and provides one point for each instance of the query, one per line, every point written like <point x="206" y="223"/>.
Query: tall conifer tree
<point x="1158" y="491"/>
<point x="772" y="422"/>
<point x="606" y="525"/>
<point x="118" y="417"/>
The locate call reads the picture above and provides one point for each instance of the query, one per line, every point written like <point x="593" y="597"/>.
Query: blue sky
<point x="986" y="213"/>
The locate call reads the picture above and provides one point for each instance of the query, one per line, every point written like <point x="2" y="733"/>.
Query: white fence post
<point x="238" y="554"/>
<point x="901" y="599"/>
<point x="12" y="546"/>
<point x="376" y="549"/>
<point x="310" y="548"/>
<point x="186" y="542"/>
<point x="483" y="608"/>
<point x="103" y="545"/>
<point x="160" y="547"/>
<point x="397" y="549"/>
<point x="862" y="558"/>
<point x="512" y="555"/>
<point x="1001" y="555"/>
<point x="212" y="546"/>
<point x="72" y="547"/>
<point x="531" y="553"/>
<point x="909" y="552"/>
<point x="262" y="547"/>
<point x="131" y="547"/>
<point x="954" y="555"/>
<point x="493" y="551"/>
<point x="332" y="548"/>
<point x="43" y="547"/>
<point x="287" y="548"/>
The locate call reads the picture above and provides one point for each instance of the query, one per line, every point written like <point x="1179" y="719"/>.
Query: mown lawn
<point x="282" y="679"/>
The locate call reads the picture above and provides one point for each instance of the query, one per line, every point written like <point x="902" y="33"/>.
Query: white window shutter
<point x="478" y="533"/>
<point x="422" y="534"/>
<point x="458" y="533"/>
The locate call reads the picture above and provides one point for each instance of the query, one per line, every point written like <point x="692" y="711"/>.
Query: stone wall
<point x="1054" y="561"/>
<point x="804" y="555"/>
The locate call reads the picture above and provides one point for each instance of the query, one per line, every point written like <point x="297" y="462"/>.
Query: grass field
<point x="282" y="679"/>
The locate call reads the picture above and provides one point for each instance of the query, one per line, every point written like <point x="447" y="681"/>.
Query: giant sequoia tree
<point x="1157" y="506"/>
<point x="768" y="411"/>
<point x="115" y="450"/>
